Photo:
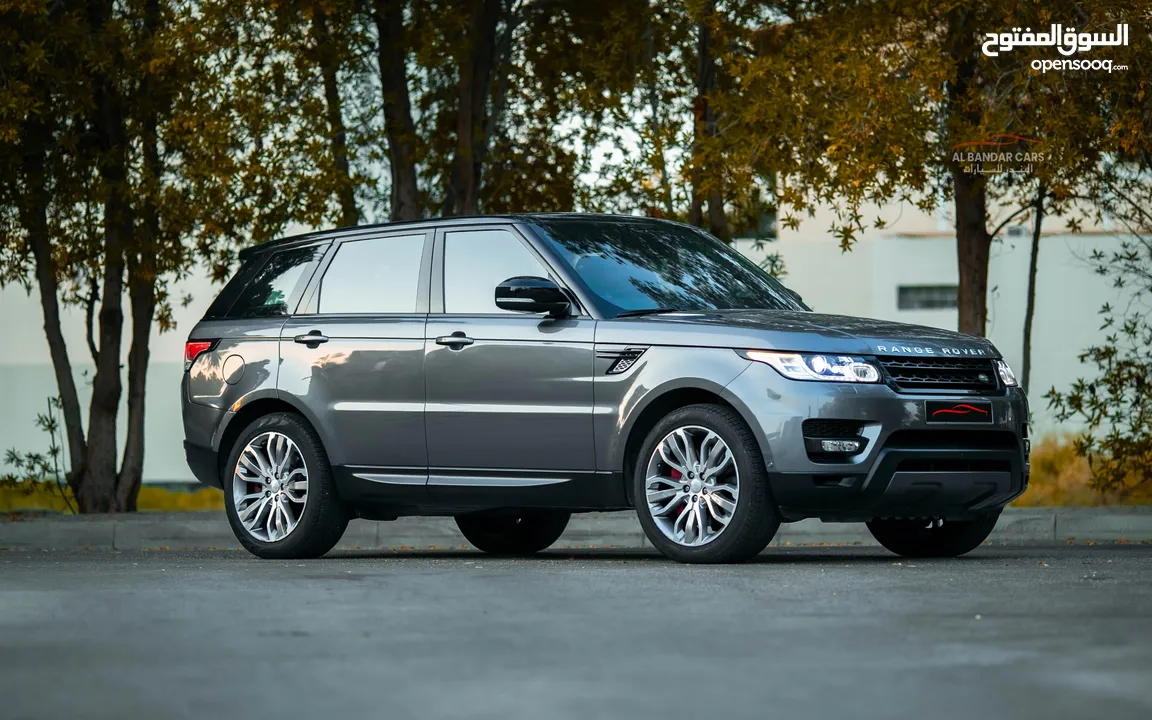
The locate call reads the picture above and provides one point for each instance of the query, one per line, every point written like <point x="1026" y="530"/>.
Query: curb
<point x="210" y="530"/>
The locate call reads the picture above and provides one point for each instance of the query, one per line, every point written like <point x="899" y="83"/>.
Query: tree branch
<point x="90" y="314"/>
<point x="1023" y="209"/>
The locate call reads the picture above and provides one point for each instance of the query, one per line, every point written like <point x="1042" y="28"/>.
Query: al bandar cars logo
<point x="1066" y="40"/>
<point x="999" y="153"/>
<point x="996" y="141"/>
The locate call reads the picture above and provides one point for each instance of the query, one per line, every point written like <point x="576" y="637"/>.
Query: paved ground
<point x="802" y="632"/>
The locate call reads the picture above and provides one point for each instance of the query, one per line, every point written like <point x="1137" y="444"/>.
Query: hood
<point x="795" y="331"/>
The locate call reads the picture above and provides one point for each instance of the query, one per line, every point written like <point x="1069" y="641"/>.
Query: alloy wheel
<point x="692" y="485"/>
<point x="270" y="486"/>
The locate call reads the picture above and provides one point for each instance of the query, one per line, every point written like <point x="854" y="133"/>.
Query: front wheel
<point x="701" y="487"/>
<point x="513" y="532"/>
<point x="933" y="537"/>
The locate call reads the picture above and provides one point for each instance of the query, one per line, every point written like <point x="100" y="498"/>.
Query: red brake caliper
<point x="676" y="476"/>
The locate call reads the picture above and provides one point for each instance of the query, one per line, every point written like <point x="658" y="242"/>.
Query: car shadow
<point x="813" y="555"/>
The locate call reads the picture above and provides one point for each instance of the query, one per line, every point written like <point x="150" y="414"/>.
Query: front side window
<point x="476" y="261"/>
<point x="635" y="266"/>
<point x="379" y="275"/>
<point x="271" y="289"/>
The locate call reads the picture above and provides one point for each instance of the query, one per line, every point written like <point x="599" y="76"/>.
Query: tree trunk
<point x="141" y="262"/>
<point x="393" y="60"/>
<point x="97" y="491"/>
<point x="717" y="219"/>
<point x="474" y="73"/>
<point x="328" y="57"/>
<point x="657" y="124"/>
<point x="1030" y="308"/>
<point x="706" y="173"/>
<point x="973" y="247"/>
<point x="494" y="122"/>
<point x="34" y="218"/>
<point x="700" y="122"/>
<point x="142" y="293"/>
<point x="973" y="243"/>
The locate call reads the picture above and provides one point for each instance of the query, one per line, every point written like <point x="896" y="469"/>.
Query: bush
<point x="45" y="496"/>
<point x="1061" y="477"/>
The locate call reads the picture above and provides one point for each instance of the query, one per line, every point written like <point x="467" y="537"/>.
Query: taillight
<point x="194" y="349"/>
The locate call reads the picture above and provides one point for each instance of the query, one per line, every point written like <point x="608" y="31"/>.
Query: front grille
<point x="921" y="374"/>
<point x="819" y="428"/>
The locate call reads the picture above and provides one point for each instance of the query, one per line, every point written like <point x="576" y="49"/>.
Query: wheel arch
<point x="655" y="408"/>
<point x="251" y="409"/>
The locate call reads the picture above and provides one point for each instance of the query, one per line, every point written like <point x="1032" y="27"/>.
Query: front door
<point x="509" y="403"/>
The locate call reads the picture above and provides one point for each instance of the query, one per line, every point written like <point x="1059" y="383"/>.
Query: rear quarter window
<point x="267" y="285"/>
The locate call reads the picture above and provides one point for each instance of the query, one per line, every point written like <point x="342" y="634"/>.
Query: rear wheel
<point x="279" y="494"/>
<point x="513" y="532"/>
<point x="701" y="487"/>
<point x="933" y="537"/>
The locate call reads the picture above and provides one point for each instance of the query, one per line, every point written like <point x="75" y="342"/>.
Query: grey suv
<point x="509" y="371"/>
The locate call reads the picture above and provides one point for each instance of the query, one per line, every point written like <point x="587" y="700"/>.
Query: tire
<point x="925" y="538"/>
<point x="749" y="527"/>
<point x="517" y="533"/>
<point x="320" y="519"/>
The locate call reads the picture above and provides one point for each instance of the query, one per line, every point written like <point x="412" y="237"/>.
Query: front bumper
<point x="908" y="481"/>
<point x="909" y="468"/>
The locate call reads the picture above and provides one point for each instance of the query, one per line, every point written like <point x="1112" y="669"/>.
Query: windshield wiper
<point x="646" y="311"/>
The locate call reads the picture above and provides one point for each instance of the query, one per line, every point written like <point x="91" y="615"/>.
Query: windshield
<point x="647" y="265"/>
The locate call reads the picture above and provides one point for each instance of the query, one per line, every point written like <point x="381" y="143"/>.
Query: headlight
<point x="834" y="368"/>
<point x="1006" y="375"/>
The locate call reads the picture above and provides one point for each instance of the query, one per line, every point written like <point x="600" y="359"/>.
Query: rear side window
<point x="273" y="288"/>
<point x="379" y="275"/>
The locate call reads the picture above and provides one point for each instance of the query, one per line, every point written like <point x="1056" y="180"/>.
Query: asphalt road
<point x="803" y="632"/>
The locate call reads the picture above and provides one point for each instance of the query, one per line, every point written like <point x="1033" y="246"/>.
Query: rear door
<point x="354" y="355"/>
<point x="244" y="323"/>
<point x="509" y="394"/>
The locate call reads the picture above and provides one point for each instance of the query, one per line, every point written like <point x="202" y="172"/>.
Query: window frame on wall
<point x="927" y="297"/>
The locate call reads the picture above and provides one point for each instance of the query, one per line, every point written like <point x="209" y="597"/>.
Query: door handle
<point x="456" y="340"/>
<point x="312" y="339"/>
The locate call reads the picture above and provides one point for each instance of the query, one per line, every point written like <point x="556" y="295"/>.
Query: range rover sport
<point x="511" y="370"/>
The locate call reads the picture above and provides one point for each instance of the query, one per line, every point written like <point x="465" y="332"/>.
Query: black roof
<point x="440" y="222"/>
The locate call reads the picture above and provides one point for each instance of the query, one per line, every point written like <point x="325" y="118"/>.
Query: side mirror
<point x="532" y="295"/>
<point x="796" y="296"/>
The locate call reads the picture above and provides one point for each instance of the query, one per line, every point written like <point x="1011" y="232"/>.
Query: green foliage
<point x="1115" y="404"/>
<point x="36" y="472"/>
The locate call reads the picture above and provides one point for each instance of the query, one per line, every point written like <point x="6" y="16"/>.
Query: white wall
<point x="27" y="378"/>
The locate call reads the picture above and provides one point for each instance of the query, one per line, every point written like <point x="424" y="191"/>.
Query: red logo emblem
<point x="961" y="409"/>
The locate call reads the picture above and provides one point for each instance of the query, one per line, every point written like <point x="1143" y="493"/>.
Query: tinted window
<point x="227" y="297"/>
<point x="475" y="262"/>
<point x="270" y="290"/>
<point x="373" y="276"/>
<point x="636" y="265"/>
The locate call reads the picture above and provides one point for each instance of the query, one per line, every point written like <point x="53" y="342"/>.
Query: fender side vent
<point x="621" y="359"/>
